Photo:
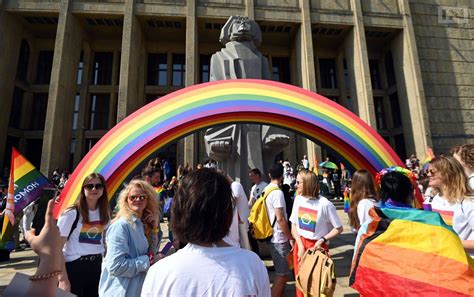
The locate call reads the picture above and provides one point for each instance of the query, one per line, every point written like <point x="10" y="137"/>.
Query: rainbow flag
<point x="410" y="252"/>
<point x="428" y="157"/>
<point x="347" y="200"/>
<point x="25" y="186"/>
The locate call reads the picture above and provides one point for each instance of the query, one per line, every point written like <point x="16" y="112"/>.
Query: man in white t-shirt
<point x="258" y="185"/>
<point x="279" y="245"/>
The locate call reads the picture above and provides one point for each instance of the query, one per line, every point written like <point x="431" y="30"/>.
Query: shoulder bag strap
<point x="74" y="224"/>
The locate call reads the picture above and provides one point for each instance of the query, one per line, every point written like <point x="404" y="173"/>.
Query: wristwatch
<point x="324" y="239"/>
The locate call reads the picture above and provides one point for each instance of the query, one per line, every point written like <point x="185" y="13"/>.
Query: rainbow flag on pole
<point x="25" y="186"/>
<point x="410" y="252"/>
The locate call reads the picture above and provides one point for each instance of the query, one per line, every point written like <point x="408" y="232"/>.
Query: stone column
<point x="190" y="143"/>
<point x="81" y="119"/>
<point x="358" y="67"/>
<point x="308" y="74"/>
<point x="132" y="49"/>
<point x="62" y="90"/>
<point x="10" y="41"/>
<point x="411" y="93"/>
<point x="250" y="9"/>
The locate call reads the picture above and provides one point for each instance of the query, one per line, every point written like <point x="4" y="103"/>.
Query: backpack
<point x="259" y="221"/>
<point x="316" y="276"/>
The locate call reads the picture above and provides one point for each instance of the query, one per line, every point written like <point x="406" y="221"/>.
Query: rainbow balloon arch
<point x="197" y="107"/>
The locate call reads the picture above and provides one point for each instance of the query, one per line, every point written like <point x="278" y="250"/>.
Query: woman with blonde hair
<point x="314" y="220"/>
<point x="448" y="179"/>
<point x="464" y="154"/>
<point x="128" y="241"/>
<point x="82" y="227"/>
<point x="363" y="198"/>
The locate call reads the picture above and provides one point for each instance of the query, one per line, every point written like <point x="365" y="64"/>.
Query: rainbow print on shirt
<point x="91" y="232"/>
<point x="307" y="218"/>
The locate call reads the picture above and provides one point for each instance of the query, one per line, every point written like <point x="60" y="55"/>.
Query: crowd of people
<point x="106" y="252"/>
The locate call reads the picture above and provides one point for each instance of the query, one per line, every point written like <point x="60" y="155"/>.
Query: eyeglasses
<point x="431" y="172"/>
<point x="137" y="197"/>
<point x="90" y="187"/>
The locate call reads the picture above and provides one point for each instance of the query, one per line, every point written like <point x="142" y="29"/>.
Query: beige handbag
<point x="316" y="275"/>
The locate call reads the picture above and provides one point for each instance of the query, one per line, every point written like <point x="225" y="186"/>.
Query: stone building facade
<point x="71" y="69"/>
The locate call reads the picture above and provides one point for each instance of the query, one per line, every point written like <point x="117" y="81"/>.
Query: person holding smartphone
<point x="128" y="239"/>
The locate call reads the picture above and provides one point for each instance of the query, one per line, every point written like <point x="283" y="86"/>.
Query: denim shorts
<point x="279" y="253"/>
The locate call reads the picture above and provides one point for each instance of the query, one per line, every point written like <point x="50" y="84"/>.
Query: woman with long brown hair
<point x="82" y="227"/>
<point x="363" y="198"/>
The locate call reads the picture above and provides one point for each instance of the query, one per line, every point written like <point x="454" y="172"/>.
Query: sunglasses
<point x="90" y="187"/>
<point x="137" y="197"/>
<point x="431" y="172"/>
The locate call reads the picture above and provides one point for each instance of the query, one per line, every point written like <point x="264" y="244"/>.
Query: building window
<point x="399" y="142"/>
<point x="157" y="70"/>
<point x="205" y="65"/>
<point x="102" y="74"/>
<point x="390" y="71"/>
<point x="75" y="117"/>
<point x="15" y="112"/>
<point x="375" y="74"/>
<point x="179" y="70"/>
<point x="281" y="69"/>
<point x="150" y="98"/>
<point x="327" y="70"/>
<point x="395" y="110"/>
<point x="34" y="147"/>
<point x="45" y="65"/>
<point x="38" y="115"/>
<point x="71" y="154"/>
<point x="99" y="111"/>
<point x="80" y="69"/>
<point x="379" y="113"/>
<point x="11" y="142"/>
<point x="90" y="142"/>
<point x="22" y="68"/>
<point x="333" y="98"/>
<point x="347" y="82"/>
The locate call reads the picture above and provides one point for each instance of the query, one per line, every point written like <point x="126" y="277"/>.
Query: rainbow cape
<point x="410" y="252"/>
<point x="25" y="186"/>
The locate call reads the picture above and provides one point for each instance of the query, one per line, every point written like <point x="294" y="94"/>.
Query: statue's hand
<point x="221" y="146"/>
<point x="276" y="141"/>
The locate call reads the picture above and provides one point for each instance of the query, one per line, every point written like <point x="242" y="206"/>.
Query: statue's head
<point x="240" y="28"/>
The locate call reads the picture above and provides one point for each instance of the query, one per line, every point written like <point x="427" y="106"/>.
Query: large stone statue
<point x="241" y="147"/>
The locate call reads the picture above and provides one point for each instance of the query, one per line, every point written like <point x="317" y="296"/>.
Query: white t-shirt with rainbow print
<point x="314" y="218"/>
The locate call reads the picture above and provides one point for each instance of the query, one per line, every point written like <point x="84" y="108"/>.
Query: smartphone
<point x="166" y="248"/>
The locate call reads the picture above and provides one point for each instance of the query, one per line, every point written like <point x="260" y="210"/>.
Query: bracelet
<point x="324" y="239"/>
<point x="45" y="276"/>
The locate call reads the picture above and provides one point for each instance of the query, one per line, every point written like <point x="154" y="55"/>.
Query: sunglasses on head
<point x="137" y="197"/>
<point x="90" y="187"/>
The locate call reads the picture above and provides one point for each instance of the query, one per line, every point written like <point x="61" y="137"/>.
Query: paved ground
<point x="341" y="252"/>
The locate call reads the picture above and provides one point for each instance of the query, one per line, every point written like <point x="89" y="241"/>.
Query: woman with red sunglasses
<point x="130" y="241"/>
<point x="82" y="227"/>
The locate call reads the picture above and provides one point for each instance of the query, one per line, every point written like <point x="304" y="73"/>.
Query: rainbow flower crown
<point x="404" y="171"/>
